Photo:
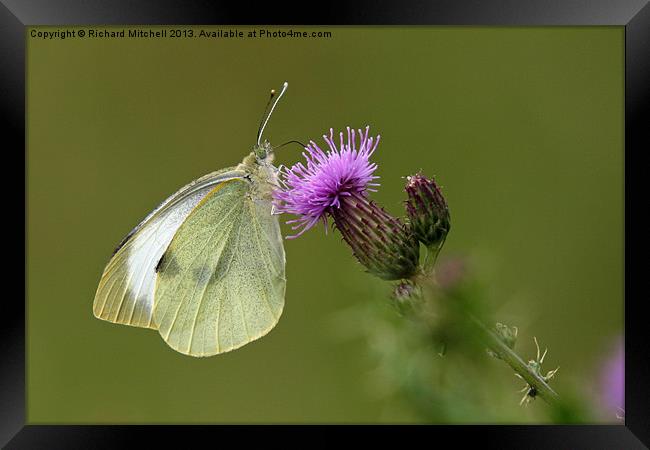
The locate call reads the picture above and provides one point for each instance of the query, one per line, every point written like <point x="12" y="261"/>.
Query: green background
<point x="522" y="126"/>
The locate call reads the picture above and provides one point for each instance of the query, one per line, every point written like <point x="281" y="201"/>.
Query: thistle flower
<point x="427" y="210"/>
<point x="451" y="273"/>
<point x="612" y="382"/>
<point x="335" y="184"/>
<point x="312" y="191"/>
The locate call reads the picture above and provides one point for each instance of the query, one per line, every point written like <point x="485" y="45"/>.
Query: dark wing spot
<point x="160" y="261"/>
<point x="167" y="265"/>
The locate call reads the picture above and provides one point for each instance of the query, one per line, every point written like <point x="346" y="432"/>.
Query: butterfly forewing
<point x="221" y="282"/>
<point x="126" y="290"/>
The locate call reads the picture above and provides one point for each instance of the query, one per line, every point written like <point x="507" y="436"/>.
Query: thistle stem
<point x="516" y="363"/>
<point x="432" y="256"/>
<point x="493" y="342"/>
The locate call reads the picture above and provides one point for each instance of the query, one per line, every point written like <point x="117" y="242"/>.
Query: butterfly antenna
<point x="290" y="142"/>
<point x="268" y="111"/>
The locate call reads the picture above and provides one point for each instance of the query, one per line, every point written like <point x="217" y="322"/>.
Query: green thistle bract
<point x="381" y="242"/>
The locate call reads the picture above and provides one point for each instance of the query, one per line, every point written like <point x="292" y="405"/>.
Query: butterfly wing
<point x="221" y="282"/>
<point x="126" y="290"/>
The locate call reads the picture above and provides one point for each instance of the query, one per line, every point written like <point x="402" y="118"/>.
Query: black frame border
<point x="634" y="15"/>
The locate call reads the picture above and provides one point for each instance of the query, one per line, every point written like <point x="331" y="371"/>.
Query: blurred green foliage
<point x="431" y="350"/>
<point x="523" y="127"/>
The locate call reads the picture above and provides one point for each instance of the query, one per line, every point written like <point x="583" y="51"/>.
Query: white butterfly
<point x="206" y="267"/>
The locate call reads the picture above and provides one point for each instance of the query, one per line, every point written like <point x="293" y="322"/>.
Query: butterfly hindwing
<point x="221" y="282"/>
<point x="126" y="290"/>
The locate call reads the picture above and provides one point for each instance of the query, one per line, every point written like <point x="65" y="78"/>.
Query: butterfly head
<point x="263" y="153"/>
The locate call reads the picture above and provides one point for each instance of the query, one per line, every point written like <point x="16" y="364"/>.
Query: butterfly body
<point x="260" y="171"/>
<point x="206" y="268"/>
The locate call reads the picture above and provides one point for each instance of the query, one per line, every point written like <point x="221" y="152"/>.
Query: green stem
<point x="517" y="364"/>
<point x="492" y="341"/>
<point x="432" y="256"/>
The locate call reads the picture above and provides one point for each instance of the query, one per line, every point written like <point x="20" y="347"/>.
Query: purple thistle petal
<point x="312" y="190"/>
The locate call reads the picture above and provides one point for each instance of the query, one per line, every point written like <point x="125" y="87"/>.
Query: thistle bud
<point x="507" y="335"/>
<point x="427" y="210"/>
<point x="381" y="242"/>
<point x="405" y="295"/>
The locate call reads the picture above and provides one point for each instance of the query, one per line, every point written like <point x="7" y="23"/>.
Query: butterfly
<point x="206" y="268"/>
